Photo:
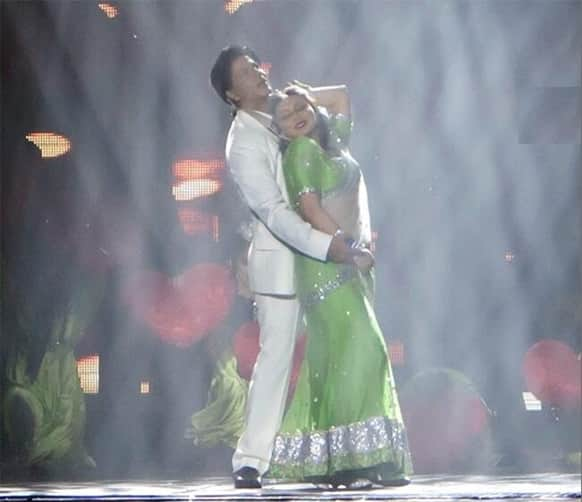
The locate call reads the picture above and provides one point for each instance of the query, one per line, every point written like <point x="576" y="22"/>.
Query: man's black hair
<point x="221" y="73"/>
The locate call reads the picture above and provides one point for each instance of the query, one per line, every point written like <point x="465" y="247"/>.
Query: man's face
<point x="249" y="82"/>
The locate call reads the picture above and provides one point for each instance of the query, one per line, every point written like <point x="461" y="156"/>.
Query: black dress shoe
<point x="344" y="479"/>
<point x="403" y="481"/>
<point x="360" y="484"/>
<point x="247" y="477"/>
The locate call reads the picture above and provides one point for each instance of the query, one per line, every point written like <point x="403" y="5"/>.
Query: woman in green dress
<point x="344" y="421"/>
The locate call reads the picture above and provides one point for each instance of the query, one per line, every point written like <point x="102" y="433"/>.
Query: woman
<point x="344" y="422"/>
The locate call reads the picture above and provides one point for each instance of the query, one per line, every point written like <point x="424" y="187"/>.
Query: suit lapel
<point x="272" y="142"/>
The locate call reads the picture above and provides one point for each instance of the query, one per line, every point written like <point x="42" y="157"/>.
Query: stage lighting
<point x="396" y="351"/>
<point x="531" y="402"/>
<point x="195" y="222"/>
<point x="109" y="10"/>
<point x="194" y="169"/>
<point x="50" y="144"/>
<point x="231" y="6"/>
<point x="189" y="190"/>
<point x="196" y="178"/>
<point x="88" y="371"/>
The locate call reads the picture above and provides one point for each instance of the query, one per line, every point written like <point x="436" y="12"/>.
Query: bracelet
<point x="348" y="240"/>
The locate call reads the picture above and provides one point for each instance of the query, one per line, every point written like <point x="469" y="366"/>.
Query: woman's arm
<point x="311" y="211"/>
<point x="334" y="98"/>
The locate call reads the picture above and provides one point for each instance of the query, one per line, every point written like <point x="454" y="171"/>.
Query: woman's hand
<point x="334" y="98"/>
<point x="364" y="259"/>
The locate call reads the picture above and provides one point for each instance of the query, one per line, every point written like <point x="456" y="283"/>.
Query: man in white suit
<point x="254" y="160"/>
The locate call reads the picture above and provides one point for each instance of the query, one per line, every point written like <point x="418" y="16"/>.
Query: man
<point x="254" y="160"/>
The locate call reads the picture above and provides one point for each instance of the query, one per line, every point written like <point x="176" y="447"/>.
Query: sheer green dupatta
<point x="304" y="159"/>
<point x="301" y="167"/>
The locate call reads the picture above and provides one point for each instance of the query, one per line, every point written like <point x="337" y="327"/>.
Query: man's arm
<point x="311" y="211"/>
<point x="250" y="169"/>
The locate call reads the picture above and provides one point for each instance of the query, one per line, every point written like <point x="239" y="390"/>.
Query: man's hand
<point x="364" y="260"/>
<point x="339" y="250"/>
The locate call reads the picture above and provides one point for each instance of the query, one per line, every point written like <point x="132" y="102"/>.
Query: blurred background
<point x="121" y="255"/>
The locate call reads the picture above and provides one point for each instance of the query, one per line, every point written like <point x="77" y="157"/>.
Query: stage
<point x="129" y="326"/>
<point x="542" y="487"/>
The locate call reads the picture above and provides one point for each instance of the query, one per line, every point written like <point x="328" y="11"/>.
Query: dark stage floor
<point x="538" y="487"/>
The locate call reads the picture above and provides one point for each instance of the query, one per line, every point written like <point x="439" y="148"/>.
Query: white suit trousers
<point x="278" y="317"/>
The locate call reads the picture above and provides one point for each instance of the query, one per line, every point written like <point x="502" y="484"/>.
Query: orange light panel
<point x="190" y="190"/>
<point x="110" y="10"/>
<point x="215" y="228"/>
<point x="531" y="402"/>
<point x="396" y="351"/>
<point x="144" y="387"/>
<point x="195" y="178"/>
<point x="50" y="144"/>
<point x="88" y="371"/>
<point x="193" y="169"/>
<point x="196" y="222"/>
<point x="231" y="6"/>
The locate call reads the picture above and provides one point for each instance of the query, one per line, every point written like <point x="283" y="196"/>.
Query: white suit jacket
<point x="254" y="160"/>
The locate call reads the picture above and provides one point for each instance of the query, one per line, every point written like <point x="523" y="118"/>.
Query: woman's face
<point x="295" y="116"/>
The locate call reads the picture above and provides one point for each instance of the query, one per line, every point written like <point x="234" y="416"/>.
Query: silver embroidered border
<point x="323" y="290"/>
<point x="354" y="439"/>
<point x="303" y="191"/>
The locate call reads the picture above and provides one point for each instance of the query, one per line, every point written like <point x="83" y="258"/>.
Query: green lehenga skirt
<point x="344" y="415"/>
